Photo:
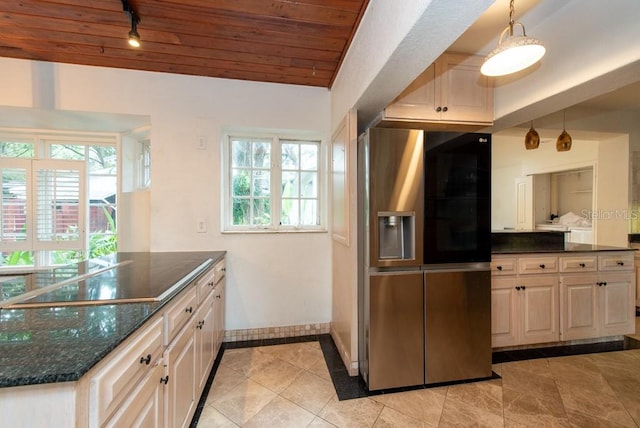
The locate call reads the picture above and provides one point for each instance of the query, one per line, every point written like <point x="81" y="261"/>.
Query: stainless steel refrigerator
<point x="424" y="278"/>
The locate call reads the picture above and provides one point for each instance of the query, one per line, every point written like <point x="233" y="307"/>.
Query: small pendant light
<point x="532" y="139"/>
<point x="563" y="143"/>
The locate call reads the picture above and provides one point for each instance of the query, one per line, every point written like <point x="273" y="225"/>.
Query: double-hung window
<point x="273" y="183"/>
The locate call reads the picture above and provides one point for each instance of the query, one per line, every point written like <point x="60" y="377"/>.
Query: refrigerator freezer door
<point x="395" y="348"/>
<point x="457" y="325"/>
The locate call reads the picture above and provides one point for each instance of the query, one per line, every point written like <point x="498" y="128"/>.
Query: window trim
<point x="276" y="172"/>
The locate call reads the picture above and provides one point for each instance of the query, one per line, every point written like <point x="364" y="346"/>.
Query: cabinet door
<point x="144" y="407"/>
<point x="205" y="337"/>
<point x="617" y="307"/>
<point x="418" y="101"/>
<point x="539" y="309"/>
<point x="219" y="310"/>
<point x="579" y="306"/>
<point x="180" y="395"/>
<point x="466" y="94"/>
<point x="503" y="312"/>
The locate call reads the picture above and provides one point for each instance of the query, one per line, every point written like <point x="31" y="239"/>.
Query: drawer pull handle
<point x="524" y="288"/>
<point x="604" y="283"/>
<point x="582" y="265"/>
<point x="200" y="324"/>
<point x="211" y="283"/>
<point x="218" y="296"/>
<point x="620" y="263"/>
<point x="224" y="269"/>
<point x="541" y="266"/>
<point x="499" y="267"/>
<point x="438" y="109"/>
<point x="189" y="309"/>
<point x="165" y="379"/>
<point x="518" y="287"/>
<point x="146" y="360"/>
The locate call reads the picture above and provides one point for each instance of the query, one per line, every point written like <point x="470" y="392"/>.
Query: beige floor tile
<point x="224" y="380"/>
<point x="303" y="355"/>
<point x="484" y="395"/>
<point x="390" y="418"/>
<point x="539" y="366"/>
<point x="461" y="414"/>
<point x="422" y="404"/>
<point x="357" y="413"/>
<point x="318" y="422"/>
<point x="519" y="378"/>
<point x="242" y="402"/>
<point x="579" y="371"/>
<point x="211" y="418"/>
<point x="579" y="420"/>
<point x="275" y="374"/>
<point x="497" y="368"/>
<point x="280" y="413"/>
<point x="533" y="410"/>
<point x="595" y="404"/>
<point x="244" y="360"/>
<point x="310" y="392"/>
<point x="319" y="368"/>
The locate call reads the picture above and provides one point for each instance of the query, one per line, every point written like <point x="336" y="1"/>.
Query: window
<point x="58" y="201"/>
<point x="273" y="184"/>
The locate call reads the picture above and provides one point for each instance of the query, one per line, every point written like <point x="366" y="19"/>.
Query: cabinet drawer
<point x="528" y="265"/>
<point x="615" y="262"/>
<point x="503" y="266"/>
<point x="205" y="284"/>
<point x="578" y="264"/>
<point x="221" y="271"/>
<point x="179" y="313"/>
<point x="110" y="386"/>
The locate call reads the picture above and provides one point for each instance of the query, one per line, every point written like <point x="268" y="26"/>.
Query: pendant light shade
<point x="513" y="53"/>
<point x="563" y="143"/>
<point x="532" y="139"/>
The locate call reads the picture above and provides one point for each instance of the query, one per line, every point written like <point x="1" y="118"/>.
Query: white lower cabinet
<point x="524" y="310"/>
<point x="156" y="378"/>
<point x="205" y="341"/>
<point x="180" y="361"/>
<point x="145" y="406"/>
<point x="568" y="296"/>
<point x="597" y="305"/>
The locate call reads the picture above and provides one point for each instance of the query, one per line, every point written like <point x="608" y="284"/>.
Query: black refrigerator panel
<point x="457" y="208"/>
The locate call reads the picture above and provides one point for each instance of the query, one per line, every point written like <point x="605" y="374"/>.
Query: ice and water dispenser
<point x="396" y="231"/>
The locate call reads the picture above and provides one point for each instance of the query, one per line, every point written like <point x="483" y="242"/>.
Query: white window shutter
<point x="59" y="204"/>
<point x="15" y="230"/>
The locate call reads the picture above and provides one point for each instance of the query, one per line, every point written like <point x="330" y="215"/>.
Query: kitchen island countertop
<point x="568" y="248"/>
<point x="61" y="342"/>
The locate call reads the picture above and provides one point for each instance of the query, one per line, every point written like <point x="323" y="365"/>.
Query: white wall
<point x="608" y="155"/>
<point x="273" y="280"/>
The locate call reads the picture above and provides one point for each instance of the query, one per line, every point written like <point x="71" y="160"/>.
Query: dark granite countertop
<point x="61" y="342"/>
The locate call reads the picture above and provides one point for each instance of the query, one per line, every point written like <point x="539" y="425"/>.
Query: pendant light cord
<point x="512" y="10"/>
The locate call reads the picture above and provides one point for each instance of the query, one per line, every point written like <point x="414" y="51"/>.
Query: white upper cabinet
<point x="452" y="90"/>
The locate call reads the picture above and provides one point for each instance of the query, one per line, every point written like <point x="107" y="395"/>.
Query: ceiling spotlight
<point x="514" y="53"/>
<point x="134" y="37"/>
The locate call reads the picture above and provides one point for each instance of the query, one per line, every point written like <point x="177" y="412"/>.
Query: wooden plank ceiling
<point x="298" y="42"/>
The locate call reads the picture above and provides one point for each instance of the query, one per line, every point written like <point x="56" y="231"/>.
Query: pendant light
<point x="563" y="143"/>
<point x="514" y="53"/>
<point x="532" y="139"/>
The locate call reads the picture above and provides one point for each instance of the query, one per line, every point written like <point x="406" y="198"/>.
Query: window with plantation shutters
<point x="16" y="185"/>
<point x="59" y="204"/>
<point x="43" y="205"/>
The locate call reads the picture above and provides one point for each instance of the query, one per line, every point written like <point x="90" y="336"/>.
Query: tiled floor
<point x="290" y="386"/>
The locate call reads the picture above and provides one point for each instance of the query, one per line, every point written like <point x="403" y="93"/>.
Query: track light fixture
<point x="134" y="37"/>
